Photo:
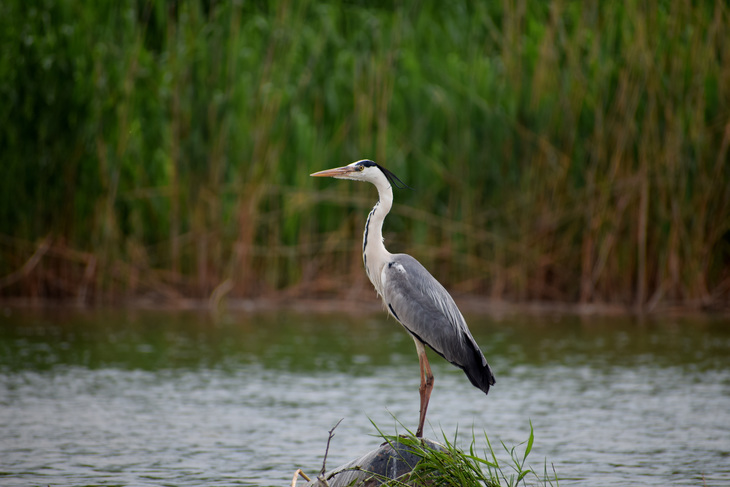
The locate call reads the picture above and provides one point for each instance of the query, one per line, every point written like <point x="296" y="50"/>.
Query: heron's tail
<point x="478" y="371"/>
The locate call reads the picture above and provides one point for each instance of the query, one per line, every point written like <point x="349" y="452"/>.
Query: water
<point x="162" y="398"/>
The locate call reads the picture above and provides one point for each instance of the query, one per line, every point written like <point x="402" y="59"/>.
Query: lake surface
<point x="119" y="397"/>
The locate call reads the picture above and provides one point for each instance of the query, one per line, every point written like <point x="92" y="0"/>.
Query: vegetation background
<point x="560" y="150"/>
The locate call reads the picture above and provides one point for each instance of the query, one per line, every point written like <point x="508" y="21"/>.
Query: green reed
<point x="560" y="150"/>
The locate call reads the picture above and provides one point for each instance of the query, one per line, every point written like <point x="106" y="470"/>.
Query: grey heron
<point x="411" y="294"/>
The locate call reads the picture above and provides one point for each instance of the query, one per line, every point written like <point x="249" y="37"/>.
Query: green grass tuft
<point x="451" y="466"/>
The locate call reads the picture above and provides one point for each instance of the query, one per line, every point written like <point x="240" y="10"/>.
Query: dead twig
<point x="29" y="265"/>
<point x="321" y="480"/>
<point x="321" y="477"/>
<point x="297" y="474"/>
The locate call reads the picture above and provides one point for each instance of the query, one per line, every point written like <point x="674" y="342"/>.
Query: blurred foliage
<point x="572" y="151"/>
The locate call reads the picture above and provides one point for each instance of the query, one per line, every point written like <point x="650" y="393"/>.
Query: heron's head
<point x="365" y="170"/>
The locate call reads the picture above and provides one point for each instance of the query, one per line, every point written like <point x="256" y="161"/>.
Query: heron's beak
<point x="337" y="172"/>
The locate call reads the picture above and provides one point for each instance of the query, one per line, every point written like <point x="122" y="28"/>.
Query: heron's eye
<point x="360" y="168"/>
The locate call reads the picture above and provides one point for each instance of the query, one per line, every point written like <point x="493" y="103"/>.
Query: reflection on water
<point x="163" y="398"/>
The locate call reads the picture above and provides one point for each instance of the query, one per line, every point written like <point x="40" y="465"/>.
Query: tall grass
<point x="572" y="151"/>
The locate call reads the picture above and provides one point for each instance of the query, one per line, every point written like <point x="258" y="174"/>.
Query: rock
<point x="387" y="462"/>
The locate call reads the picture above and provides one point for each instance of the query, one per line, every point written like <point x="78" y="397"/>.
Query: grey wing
<point x="424" y="307"/>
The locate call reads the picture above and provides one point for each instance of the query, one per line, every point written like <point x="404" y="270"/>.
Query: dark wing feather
<point x="424" y="307"/>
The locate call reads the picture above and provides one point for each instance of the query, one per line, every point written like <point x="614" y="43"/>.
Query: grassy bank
<point x="560" y="150"/>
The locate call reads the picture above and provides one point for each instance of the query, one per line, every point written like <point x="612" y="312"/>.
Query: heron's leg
<point x="426" y="385"/>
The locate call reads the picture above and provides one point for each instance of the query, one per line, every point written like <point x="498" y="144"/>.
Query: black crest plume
<point x="394" y="180"/>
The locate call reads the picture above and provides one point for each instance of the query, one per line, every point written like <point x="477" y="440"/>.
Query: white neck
<point x="374" y="254"/>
